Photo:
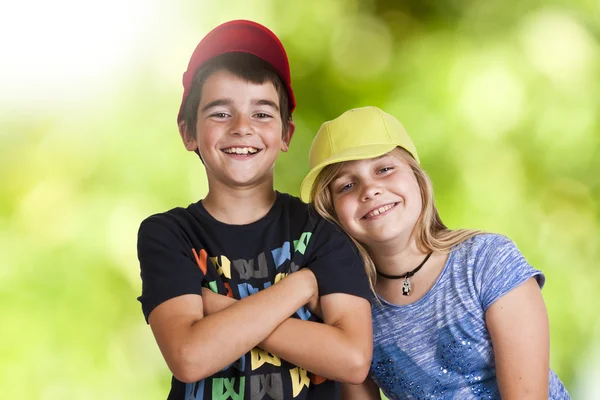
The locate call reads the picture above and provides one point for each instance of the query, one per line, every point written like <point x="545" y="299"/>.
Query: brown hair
<point x="429" y="232"/>
<point x="243" y="65"/>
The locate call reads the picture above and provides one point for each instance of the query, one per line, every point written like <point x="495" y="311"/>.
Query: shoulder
<point x="165" y="219"/>
<point x="484" y="246"/>
<point x="494" y="265"/>
<point x="293" y="203"/>
<point x="168" y="223"/>
<point x="306" y="214"/>
<point x="489" y="256"/>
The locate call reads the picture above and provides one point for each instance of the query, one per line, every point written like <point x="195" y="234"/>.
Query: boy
<point x="243" y="238"/>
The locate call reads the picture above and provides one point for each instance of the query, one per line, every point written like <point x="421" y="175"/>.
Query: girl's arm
<point x="518" y="326"/>
<point x="365" y="391"/>
<point x="339" y="349"/>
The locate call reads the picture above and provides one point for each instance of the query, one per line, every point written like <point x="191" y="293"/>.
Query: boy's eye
<point x="262" y="115"/>
<point x="219" y="115"/>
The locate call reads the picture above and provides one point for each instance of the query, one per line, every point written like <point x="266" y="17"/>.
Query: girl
<point x="459" y="313"/>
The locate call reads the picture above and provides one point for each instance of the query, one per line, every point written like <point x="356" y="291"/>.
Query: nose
<point x="370" y="190"/>
<point x="242" y="126"/>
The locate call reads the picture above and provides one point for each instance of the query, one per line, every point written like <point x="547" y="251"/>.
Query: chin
<point x="382" y="237"/>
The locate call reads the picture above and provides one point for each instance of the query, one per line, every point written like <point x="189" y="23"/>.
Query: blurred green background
<point x="501" y="97"/>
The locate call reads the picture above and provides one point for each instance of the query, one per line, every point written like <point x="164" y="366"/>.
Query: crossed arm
<point x="197" y="344"/>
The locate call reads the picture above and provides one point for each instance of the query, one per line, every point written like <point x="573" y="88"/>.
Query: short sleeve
<point x="500" y="267"/>
<point x="337" y="264"/>
<point x="167" y="265"/>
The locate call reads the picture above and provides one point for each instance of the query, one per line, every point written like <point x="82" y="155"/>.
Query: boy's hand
<point x="313" y="304"/>
<point x="213" y="302"/>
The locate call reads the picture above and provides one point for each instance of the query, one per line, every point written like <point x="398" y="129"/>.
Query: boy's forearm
<point x="328" y="351"/>
<point x="239" y="328"/>
<point x="316" y="347"/>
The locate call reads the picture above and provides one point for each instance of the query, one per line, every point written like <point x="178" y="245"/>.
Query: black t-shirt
<point x="183" y="250"/>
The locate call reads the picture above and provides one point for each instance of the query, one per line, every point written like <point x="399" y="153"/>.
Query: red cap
<point x="244" y="37"/>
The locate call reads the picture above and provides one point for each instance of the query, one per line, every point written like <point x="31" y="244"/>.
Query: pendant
<point x="406" y="287"/>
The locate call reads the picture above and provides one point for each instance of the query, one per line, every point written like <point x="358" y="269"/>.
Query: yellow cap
<point x="357" y="134"/>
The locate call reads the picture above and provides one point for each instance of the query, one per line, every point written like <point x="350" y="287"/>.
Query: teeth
<point x="380" y="210"/>
<point x="241" y="150"/>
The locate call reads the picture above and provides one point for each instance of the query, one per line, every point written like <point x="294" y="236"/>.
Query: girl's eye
<point x="347" y="187"/>
<point x="385" y="169"/>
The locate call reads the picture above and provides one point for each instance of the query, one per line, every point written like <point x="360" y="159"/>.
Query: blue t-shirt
<point x="438" y="347"/>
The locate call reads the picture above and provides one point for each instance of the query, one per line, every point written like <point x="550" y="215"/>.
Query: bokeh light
<point x="500" y="98"/>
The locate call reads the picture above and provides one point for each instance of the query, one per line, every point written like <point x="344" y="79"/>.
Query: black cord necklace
<point x="406" y="285"/>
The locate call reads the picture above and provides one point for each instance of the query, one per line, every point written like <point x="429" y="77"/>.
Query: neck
<point x="239" y="206"/>
<point x="396" y="259"/>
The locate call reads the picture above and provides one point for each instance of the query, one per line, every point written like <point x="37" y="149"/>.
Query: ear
<point x="189" y="141"/>
<point x="287" y="137"/>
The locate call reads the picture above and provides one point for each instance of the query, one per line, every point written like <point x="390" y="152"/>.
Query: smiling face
<point x="238" y="131"/>
<point x="377" y="200"/>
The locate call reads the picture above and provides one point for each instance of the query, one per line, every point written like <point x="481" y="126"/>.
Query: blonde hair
<point x="430" y="233"/>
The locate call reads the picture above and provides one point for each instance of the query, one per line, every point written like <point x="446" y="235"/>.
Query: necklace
<point x="406" y="284"/>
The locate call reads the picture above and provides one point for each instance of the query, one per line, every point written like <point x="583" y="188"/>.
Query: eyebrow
<point x="228" y="102"/>
<point x="265" y="102"/>
<point x="345" y="173"/>
<point x="217" y="103"/>
<point x="339" y="176"/>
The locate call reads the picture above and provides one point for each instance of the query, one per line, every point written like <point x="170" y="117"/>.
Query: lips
<point x="241" y="150"/>
<point x="379" y="210"/>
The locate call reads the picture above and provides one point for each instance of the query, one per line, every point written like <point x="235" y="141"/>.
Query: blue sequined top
<point x="439" y="347"/>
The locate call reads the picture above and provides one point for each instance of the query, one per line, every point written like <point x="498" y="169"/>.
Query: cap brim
<point x="240" y="36"/>
<point x="351" y="154"/>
